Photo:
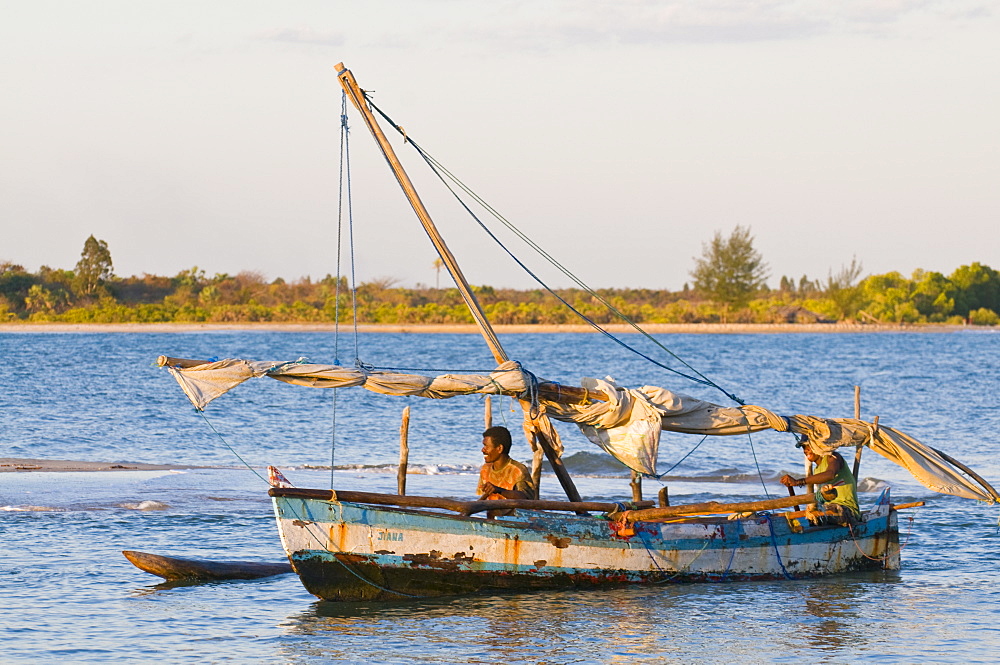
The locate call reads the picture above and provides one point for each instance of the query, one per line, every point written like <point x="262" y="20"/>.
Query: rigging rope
<point x="343" y="195"/>
<point x="444" y="175"/>
<point x="440" y="171"/>
<point x="336" y="293"/>
<point x="760" y="474"/>
<point x="226" y="444"/>
<point x="677" y="571"/>
<point x="659" y="476"/>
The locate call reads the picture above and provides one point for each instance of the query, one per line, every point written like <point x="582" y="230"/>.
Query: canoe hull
<point x="175" y="569"/>
<point x="349" y="552"/>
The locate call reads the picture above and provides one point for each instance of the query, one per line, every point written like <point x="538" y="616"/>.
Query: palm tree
<point x="438" y="264"/>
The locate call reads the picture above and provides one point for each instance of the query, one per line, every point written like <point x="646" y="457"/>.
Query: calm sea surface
<point x="68" y="595"/>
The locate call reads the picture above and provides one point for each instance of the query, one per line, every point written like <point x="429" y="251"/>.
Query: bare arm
<point x="817" y="478"/>
<point x="490" y="488"/>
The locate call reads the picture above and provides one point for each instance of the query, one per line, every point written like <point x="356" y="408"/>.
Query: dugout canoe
<point x="176" y="569"/>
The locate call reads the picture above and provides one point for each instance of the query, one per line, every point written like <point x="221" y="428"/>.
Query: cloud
<point x="303" y="36"/>
<point x="552" y="25"/>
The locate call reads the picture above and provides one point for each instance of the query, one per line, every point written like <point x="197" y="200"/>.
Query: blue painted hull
<point x="348" y="551"/>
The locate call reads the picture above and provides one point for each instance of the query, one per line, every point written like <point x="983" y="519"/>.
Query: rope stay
<point x="660" y="476"/>
<point x="343" y="200"/>
<point x="201" y="412"/>
<point x="444" y="175"/>
<point x="448" y="179"/>
<point x="336" y="292"/>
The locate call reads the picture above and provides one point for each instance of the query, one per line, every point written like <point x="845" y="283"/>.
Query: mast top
<point x="357" y="96"/>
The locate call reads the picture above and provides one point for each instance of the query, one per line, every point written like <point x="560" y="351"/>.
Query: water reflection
<point x="834" y="606"/>
<point x="619" y="625"/>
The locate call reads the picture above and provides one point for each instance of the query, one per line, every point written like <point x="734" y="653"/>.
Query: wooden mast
<point x="357" y="96"/>
<point x="350" y="85"/>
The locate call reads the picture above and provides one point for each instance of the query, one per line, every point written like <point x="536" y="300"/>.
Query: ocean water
<point x="68" y="595"/>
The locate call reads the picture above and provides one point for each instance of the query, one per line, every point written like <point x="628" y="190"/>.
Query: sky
<point x="618" y="134"/>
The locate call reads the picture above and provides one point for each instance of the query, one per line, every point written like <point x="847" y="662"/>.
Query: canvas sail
<point x="627" y="424"/>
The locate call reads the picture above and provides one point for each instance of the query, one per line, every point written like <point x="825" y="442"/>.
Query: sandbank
<point x="656" y="328"/>
<point x="25" y="464"/>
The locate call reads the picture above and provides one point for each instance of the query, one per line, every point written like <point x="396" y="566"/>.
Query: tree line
<point x="728" y="285"/>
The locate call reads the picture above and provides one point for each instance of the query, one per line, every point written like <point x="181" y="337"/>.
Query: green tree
<point x="730" y="270"/>
<point x="843" y="289"/>
<point x="193" y="277"/>
<point x="933" y="295"/>
<point x="39" y="300"/>
<point x="976" y="286"/>
<point x="438" y="264"/>
<point x="983" y="317"/>
<point x="889" y="298"/>
<point x="94" y="268"/>
<point x="14" y="284"/>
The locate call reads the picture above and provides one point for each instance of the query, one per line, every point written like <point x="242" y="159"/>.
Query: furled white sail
<point x="627" y="424"/>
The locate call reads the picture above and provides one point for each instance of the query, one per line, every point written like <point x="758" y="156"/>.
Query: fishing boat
<point x="349" y="546"/>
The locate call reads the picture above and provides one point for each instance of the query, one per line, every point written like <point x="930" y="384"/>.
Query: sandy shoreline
<point x="662" y="328"/>
<point x="23" y="464"/>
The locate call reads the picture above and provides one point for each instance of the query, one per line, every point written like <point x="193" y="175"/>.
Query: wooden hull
<point x="176" y="569"/>
<point x="349" y="551"/>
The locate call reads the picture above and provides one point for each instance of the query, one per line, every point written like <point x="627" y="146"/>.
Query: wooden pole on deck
<point x="861" y="446"/>
<point x="791" y="492"/>
<point x="636" y="484"/>
<point x="714" y="508"/>
<point x="464" y="507"/>
<point x="536" y="470"/>
<point x="404" y="452"/>
<point x="809" y="471"/>
<point x="488" y="412"/>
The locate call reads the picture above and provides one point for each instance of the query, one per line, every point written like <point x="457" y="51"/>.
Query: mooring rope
<point x="774" y="543"/>
<point x="309" y="524"/>
<point x="885" y="557"/>
<point x="678" y="572"/>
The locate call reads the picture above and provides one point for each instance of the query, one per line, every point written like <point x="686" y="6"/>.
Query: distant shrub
<point x="983" y="317"/>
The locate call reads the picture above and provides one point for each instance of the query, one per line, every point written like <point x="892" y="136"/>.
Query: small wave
<point x="31" y="509"/>
<point x="440" y="469"/>
<point x="419" y="469"/>
<point x="144" y="505"/>
<point x="872" y="485"/>
<point x="586" y="463"/>
<point x="728" y="476"/>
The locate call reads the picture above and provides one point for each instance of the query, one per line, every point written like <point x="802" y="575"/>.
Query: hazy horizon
<point x="620" y="136"/>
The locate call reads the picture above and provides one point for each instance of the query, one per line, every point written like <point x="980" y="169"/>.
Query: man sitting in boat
<point x="502" y="477"/>
<point x="830" y="470"/>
